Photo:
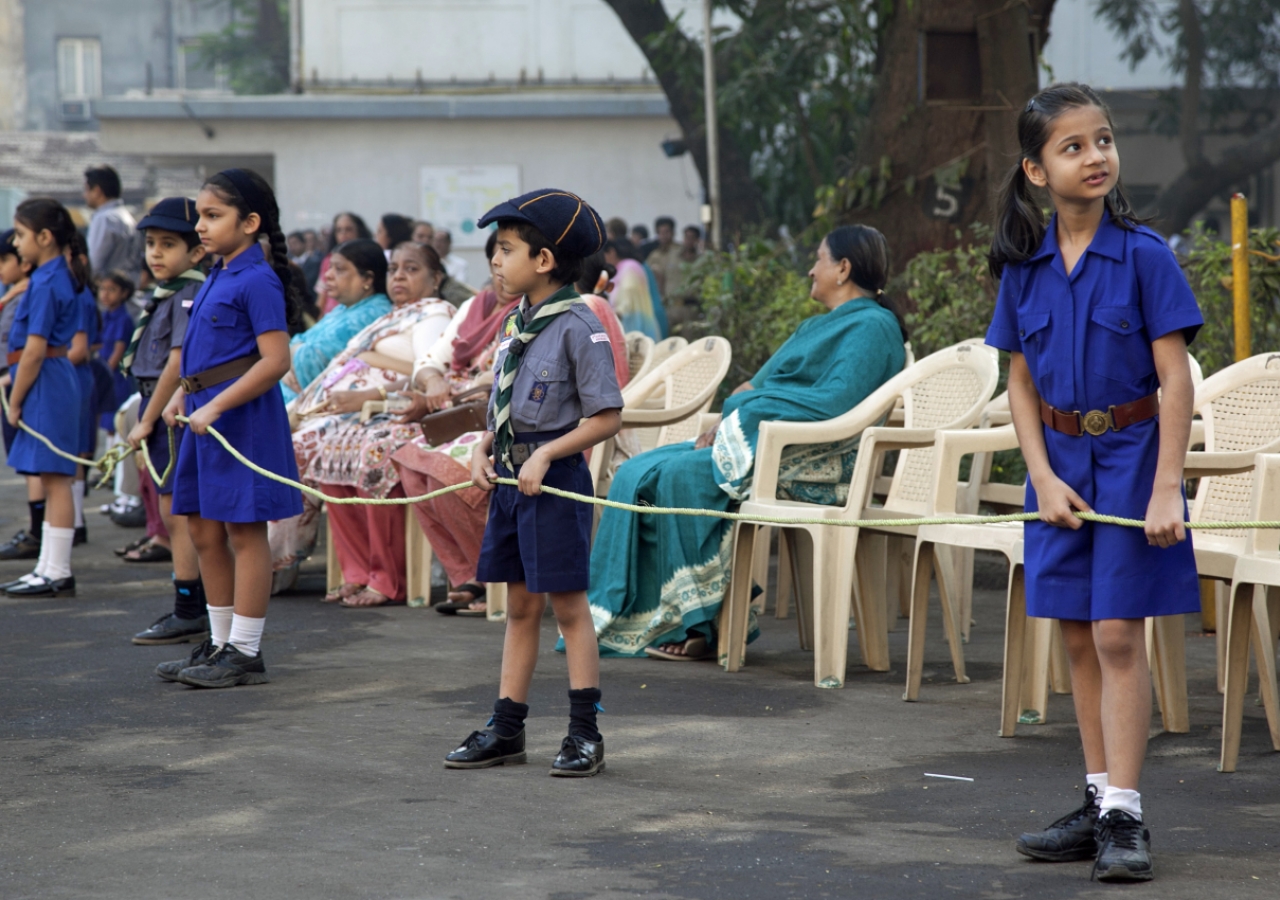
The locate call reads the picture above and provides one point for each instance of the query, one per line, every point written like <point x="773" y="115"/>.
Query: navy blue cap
<point x="566" y="220"/>
<point x="172" y="214"/>
<point x="6" y="243"/>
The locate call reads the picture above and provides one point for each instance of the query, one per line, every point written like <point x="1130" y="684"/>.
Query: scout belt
<point x="528" y="442"/>
<point x="219" y="374"/>
<point x="49" y="353"/>
<point x="147" y="386"/>
<point x="1097" y="422"/>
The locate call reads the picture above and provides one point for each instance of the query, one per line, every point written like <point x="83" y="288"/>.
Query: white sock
<point x="220" y="623"/>
<point x="57" y="543"/>
<point x="77" y="495"/>
<point x="1099" y="782"/>
<point x="43" y="560"/>
<point x="246" y="634"/>
<point x="1123" y="800"/>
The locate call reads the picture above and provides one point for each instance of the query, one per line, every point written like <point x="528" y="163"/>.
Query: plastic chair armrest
<point x="372" y="408"/>
<point x="1202" y="464"/>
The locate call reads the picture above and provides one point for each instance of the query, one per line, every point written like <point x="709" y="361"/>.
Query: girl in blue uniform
<point x="234" y="354"/>
<point x="45" y="386"/>
<point x="87" y="338"/>
<point x="1097" y="316"/>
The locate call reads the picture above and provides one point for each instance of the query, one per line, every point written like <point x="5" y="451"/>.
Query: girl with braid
<point x="235" y="353"/>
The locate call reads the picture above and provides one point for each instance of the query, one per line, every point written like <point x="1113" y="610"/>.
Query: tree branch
<point x="1191" y="191"/>
<point x="1189" y="125"/>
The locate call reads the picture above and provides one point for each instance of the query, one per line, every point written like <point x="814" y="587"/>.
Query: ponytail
<point x="1020" y="227"/>
<point x="78" y="261"/>
<point x="249" y="192"/>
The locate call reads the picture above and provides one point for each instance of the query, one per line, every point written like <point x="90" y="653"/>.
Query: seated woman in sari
<point x="657" y="582"/>
<point x="378" y="359"/>
<point x="635" y="296"/>
<point x="357" y="280"/>
<point x="454" y="524"/>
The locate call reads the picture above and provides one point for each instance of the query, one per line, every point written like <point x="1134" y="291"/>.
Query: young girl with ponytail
<point x="235" y="352"/>
<point x="45" y="387"/>
<point x="1097" y="316"/>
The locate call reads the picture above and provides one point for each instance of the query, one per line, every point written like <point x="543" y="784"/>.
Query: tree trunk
<point x="938" y="163"/>
<point x="269" y="34"/>
<point x="740" y="201"/>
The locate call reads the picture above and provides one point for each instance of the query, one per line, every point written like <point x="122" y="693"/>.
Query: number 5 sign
<point x="945" y="199"/>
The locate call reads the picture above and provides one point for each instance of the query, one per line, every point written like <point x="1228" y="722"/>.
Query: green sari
<point x="661" y="579"/>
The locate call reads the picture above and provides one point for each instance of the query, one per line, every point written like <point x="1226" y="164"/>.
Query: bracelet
<point x="381" y="390"/>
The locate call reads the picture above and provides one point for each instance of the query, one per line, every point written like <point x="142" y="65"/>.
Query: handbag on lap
<point x="446" y="424"/>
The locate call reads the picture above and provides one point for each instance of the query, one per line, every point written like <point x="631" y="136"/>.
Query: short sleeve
<point x="1003" y="333"/>
<point x="1168" y="304"/>
<point x="264" y="302"/>
<point x="591" y="353"/>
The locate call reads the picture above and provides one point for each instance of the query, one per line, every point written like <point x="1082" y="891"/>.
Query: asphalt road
<point x="327" y="783"/>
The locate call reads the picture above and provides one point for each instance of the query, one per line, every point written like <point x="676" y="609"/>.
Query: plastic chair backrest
<point x="1240" y="406"/>
<point x="953" y="387"/>
<point x="639" y="352"/>
<point x="687" y="380"/>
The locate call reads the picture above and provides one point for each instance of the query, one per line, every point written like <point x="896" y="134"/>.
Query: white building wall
<point x="1082" y="48"/>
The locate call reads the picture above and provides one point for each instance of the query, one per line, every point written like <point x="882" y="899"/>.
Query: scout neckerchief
<point x="557" y="303"/>
<point x="163" y="291"/>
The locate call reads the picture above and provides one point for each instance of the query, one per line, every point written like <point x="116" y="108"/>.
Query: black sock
<point x="36" y="508"/>
<point x="582" y="713"/>
<point x="188" y="599"/>
<point x="508" y="717"/>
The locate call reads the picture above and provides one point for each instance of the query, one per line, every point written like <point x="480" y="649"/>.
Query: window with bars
<point x="79" y="68"/>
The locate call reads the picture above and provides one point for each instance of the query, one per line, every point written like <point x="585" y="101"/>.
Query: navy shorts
<point x="158" y="447"/>
<point x="544" y="541"/>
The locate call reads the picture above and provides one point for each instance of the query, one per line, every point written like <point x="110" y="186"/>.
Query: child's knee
<point x="523" y="606"/>
<point x="1120" y="642"/>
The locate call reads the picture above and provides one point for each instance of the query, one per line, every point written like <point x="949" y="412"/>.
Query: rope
<point x="118" y="454"/>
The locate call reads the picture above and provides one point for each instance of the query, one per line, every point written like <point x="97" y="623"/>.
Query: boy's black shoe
<point x="204" y="652"/>
<point x="578" y="758"/>
<point x="39" y="586"/>
<point x="1124" y="848"/>
<point x="1068" y="839"/>
<point x="170" y="629"/>
<point x="81" y="536"/>
<point x="20" y="546"/>
<point x="483" y="749"/>
<point x="227" y="668"/>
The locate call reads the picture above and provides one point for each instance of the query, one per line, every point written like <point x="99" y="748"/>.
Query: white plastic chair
<point x="639" y="349"/>
<point x="945" y="390"/>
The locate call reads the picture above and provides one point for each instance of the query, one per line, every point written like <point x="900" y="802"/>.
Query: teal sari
<point x="313" y="348"/>
<point x="661" y="579"/>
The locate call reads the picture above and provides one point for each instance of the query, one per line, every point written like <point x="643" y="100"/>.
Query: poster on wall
<point x="454" y="197"/>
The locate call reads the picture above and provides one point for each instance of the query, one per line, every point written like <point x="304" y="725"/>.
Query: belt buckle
<point x="519" y="454"/>
<point x="1096" y="422"/>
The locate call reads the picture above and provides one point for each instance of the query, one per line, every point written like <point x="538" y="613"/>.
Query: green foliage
<point x="755" y="296"/>
<point x="1208" y="268"/>
<point x="951" y="296"/>
<point x="254" y="46"/>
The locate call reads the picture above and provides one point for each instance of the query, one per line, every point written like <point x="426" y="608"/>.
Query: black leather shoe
<point x="81" y="536"/>
<point x="204" y="652"/>
<point x="39" y="586"/>
<point x="170" y="629"/>
<point x="579" y="758"/>
<point x="483" y="749"/>
<point x="20" y="546"/>
<point x="1124" y="848"/>
<point x="1068" y="839"/>
<point x="227" y="668"/>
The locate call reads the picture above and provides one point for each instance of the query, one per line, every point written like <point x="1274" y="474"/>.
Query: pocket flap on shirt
<point x="1120" y="319"/>
<point x="547" y="369"/>
<point x="223" y="317"/>
<point x="1030" y="323"/>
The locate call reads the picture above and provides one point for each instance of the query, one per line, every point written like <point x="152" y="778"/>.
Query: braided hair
<point x="77" y="251"/>
<point x="223" y="184"/>
<point x="46" y="214"/>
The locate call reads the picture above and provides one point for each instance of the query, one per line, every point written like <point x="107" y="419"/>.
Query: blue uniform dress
<point x="240" y="300"/>
<point x="117" y="325"/>
<point x="51" y="310"/>
<point x="1087" y="342"/>
<point x="90" y="325"/>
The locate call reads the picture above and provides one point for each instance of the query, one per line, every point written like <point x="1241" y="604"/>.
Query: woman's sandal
<point x="151" y="552"/>
<point x="695" y="648"/>
<point x="377" y="598"/>
<point x="342" y="592"/>
<point x="133" y="545"/>
<point x="463" y="607"/>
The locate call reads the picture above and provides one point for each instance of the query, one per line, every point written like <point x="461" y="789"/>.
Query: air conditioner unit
<point x="77" y="111"/>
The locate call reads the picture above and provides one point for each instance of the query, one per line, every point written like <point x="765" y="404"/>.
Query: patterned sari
<point x="661" y="579"/>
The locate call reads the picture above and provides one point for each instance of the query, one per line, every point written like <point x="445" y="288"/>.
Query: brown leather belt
<point x="147" y="386"/>
<point x="49" y="353"/>
<point x="1096" y="422"/>
<point x="219" y="374"/>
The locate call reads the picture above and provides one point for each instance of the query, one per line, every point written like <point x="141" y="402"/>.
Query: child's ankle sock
<point x="508" y="717"/>
<point x="36" y="511"/>
<point x="1098" y="782"/>
<point x="55" y="551"/>
<point x="1124" y="800"/>
<point x="77" y="495"/>
<point x="246" y="634"/>
<point x="583" y="706"/>
<point x="220" y="624"/>
<point x="188" y="599"/>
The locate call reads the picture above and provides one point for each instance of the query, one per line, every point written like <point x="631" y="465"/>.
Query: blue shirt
<point x="1087" y="337"/>
<point x="89" y="322"/>
<point x="239" y="301"/>
<point x="117" y="325"/>
<point x="50" y="308"/>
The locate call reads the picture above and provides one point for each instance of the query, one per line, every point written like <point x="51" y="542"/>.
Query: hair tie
<point x="879" y="293"/>
<point x="242" y="181"/>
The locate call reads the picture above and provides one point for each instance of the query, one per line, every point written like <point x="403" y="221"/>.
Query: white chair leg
<point x="1221" y="600"/>
<point x="1266" y="619"/>
<point x="1015" y="632"/>
<point x="1035" y="681"/>
<point x="922" y="574"/>
<point x="833" y="587"/>
<point x="873" y="634"/>
<point x="735" y="612"/>
<point x="1236" y="620"/>
<point x="495" y="595"/>
<point x="417" y="556"/>
<point x="950" y="616"/>
<point x="1170" y="670"/>
<point x="760" y="566"/>
<point x="786" y="572"/>
<point x="333" y="571"/>
<point x="1059" y="665"/>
